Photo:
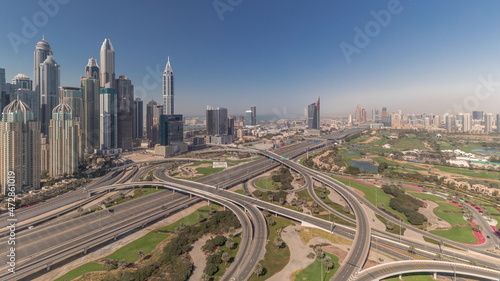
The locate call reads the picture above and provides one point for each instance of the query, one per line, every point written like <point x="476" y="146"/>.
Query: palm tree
<point x="225" y="257"/>
<point x="259" y="270"/>
<point x="328" y="263"/>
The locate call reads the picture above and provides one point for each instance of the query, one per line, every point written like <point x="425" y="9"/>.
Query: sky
<point x="415" y="56"/>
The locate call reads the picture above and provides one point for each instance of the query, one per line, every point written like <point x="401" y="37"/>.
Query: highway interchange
<point x="52" y="242"/>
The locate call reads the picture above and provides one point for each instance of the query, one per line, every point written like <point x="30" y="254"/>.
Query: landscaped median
<point x="158" y="252"/>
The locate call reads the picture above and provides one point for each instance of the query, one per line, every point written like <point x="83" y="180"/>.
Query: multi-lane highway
<point x="244" y="263"/>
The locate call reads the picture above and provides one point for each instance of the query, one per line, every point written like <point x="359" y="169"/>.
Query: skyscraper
<point x="254" y="115"/>
<point x="65" y="146"/>
<point x="23" y="86"/>
<point x="20" y="144"/>
<point x="138" y="119"/>
<point x="153" y="113"/>
<point x="313" y="116"/>
<point x="357" y="113"/>
<point x="42" y="51"/>
<point x="72" y="96"/>
<point x="108" y="123"/>
<point x="30" y="98"/>
<point x="248" y="117"/>
<point x="2" y="80"/>
<point x="125" y="106"/>
<point x="92" y="69"/>
<point x="168" y="89"/>
<point x="216" y="121"/>
<point x="498" y="123"/>
<point x="107" y="69"/>
<point x="171" y="129"/>
<point x="4" y="95"/>
<point x="488" y="122"/>
<point x="91" y="109"/>
<point x="467" y="122"/>
<point x="22" y="81"/>
<point x="49" y="90"/>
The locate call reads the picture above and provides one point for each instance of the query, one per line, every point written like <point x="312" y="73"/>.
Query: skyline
<point x="415" y="63"/>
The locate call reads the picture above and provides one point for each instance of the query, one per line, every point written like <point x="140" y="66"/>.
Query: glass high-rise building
<point x="108" y="122"/>
<point x="42" y="51"/>
<point x="313" y="116"/>
<point x="171" y="129"/>
<point x="125" y="107"/>
<point x="216" y="121"/>
<point x="138" y="125"/>
<point x="92" y="69"/>
<point x="22" y="81"/>
<point x="91" y="113"/>
<point x="49" y="90"/>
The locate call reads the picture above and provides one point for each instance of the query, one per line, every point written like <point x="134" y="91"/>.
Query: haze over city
<point x="428" y="56"/>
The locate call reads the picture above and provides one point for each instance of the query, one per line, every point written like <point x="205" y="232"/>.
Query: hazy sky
<point x="429" y="56"/>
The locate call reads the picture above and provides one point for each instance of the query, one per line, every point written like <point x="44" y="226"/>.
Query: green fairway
<point x="458" y="234"/>
<point x="470" y="173"/>
<point x="79" y="271"/>
<point x="266" y="183"/>
<point x="145" y="244"/>
<point x="372" y="194"/>
<point x="450" y="213"/>
<point x="275" y="258"/>
<point x="470" y="147"/>
<point x="317" y="271"/>
<point x="409" y="143"/>
<point x="427" y="196"/>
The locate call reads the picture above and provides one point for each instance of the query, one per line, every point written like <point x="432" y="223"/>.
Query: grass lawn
<point x="372" y="194"/>
<point x="427" y="196"/>
<point x="409" y="143"/>
<point x="494" y="213"/>
<point x="450" y="213"/>
<point x="266" y="183"/>
<point x="240" y="192"/>
<point x="470" y="173"/>
<point x="430" y="240"/>
<point x="191" y="219"/>
<point x="79" y="271"/>
<point x="395" y="230"/>
<point x="332" y="205"/>
<point x="412" y="277"/>
<point x="316" y="270"/>
<point x="275" y="259"/>
<point x="146" y="244"/>
<point x="459" y="234"/>
<point x="470" y="147"/>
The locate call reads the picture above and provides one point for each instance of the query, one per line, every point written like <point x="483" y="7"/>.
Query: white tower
<point x="168" y="89"/>
<point x="107" y="64"/>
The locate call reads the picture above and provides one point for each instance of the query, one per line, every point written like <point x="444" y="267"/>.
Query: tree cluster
<point x="405" y="204"/>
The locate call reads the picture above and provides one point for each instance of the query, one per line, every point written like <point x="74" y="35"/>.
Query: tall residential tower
<point x="107" y="69"/>
<point x="168" y="89"/>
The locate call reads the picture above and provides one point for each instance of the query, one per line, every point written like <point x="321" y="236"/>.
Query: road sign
<point x="283" y="157"/>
